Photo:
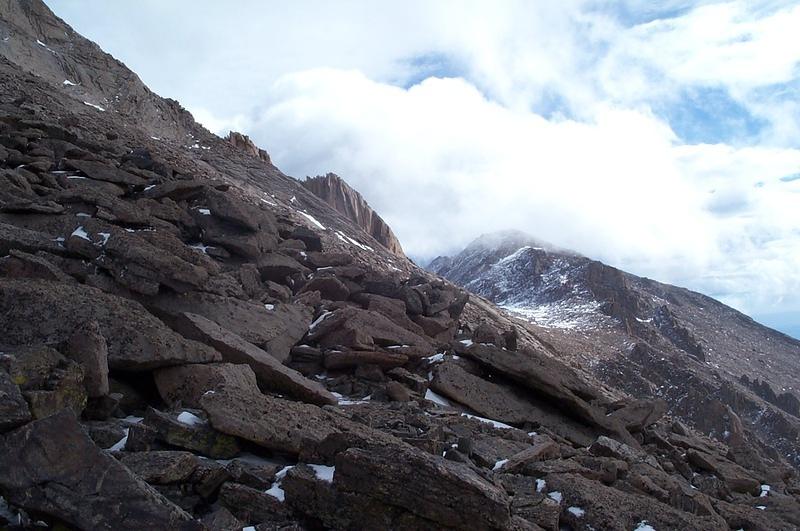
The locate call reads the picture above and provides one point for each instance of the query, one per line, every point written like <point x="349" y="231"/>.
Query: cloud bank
<point x="664" y="140"/>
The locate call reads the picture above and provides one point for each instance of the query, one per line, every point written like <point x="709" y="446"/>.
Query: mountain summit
<point x="192" y="339"/>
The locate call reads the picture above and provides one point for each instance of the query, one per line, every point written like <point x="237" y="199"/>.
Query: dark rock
<point x="415" y="382"/>
<point x="23" y="265"/>
<point x="221" y="519"/>
<point x="186" y="384"/>
<point x="105" y="434"/>
<point x="734" y="476"/>
<point x="251" y="505"/>
<point x="638" y="414"/>
<point x="442" y="491"/>
<point x="103" y="172"/>
<point x="278" y="267"/>
<point x="271" y="374"/>
<point x="394" y="309"/>
<point x="199" y="437"/>
<point x="352" y="358"/>
<point x="330" y="288"/>
<point x="398" y="392"/>
<point x="543" y="449"/>
<point x="45" y="312"/>
<point x="487" y="334"/>
<point x="48" y="381"/>
<point x="84" y="487"/>
<point x="29" y="241"/>
<point x="318" y="260"/>
<point x="607" y="447"/>
<point x="88" y="347"/>
<point x="363" y="330"/>
<point x="102" y="407"/>
<point x="13" y="408"/>
<point x="310" y="238"/>
<point x="161" y="468"/>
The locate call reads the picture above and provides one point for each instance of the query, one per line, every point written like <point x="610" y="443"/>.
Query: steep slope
<point x="622" y="325"/>
<point x="193" y="340"/>
<point x="337" y="193"/>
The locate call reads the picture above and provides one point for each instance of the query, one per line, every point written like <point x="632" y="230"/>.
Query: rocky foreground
<point x="192" y="340"/>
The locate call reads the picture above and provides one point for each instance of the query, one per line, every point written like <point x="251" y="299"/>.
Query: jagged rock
<point x="415" y="382"/>
<point x="442" y="328"/>
<point x="243" y="143"/>
<point x="88" y="347"/>
<point x="310" y="238"/>
<point x="734" y="476"/>
<point x="34" y="312"/>
<point x="278" y="267"/>
<point x="103" y="172"/>
<point x="394" y="309"/>
<point x="186" y="384"/>
<point x="192" y="435"/>
<point x="84" y="487"/>
<point x="330" y="288"/>
<point x="318" y="260"/>
<point x="221" y="519"/>
<point x="161" y="468"/>
<point x="639" y="414"/>
<point x="23" y="265"/>
<point x="337" y="193"/>
<point x="364" y="330"/>
<point x="442" y="491"/>
<point x="486" y="333"/>
<point x="353" y="358"/>
<point x="29" y="241"/>
<point x="487" y="450"/>
<point x="501" y="402"/>
<point x="13" y="408"/>
<point x="271" y="374"/>
<point x="48" y="381"/>
<point x="274" y="330"/>
<point x="607" y="447"/>
<point x="528" y="503"/>
<point x="543" y="449"/>
<point x="545" y="376"/>
<point x="605" y="507"/>
<point x="251" y="505"/>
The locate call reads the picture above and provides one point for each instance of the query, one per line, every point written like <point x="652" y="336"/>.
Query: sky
<point x="660" y="137"/>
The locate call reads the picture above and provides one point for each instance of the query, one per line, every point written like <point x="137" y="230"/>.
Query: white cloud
<point x="549" y="121"/>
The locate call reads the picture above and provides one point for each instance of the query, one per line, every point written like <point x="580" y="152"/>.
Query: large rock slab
<point x="186" y="384"/>
<point x="186" y="432"/>
<point x="103" y="172"/>
<point x="506" y="404"/>
<point x="271" y="373"/>
<point x="88" y="347"/>
<point x="546" y="377"/>
<point x="607" y="508"/>
<point x="449" y="493"/>
<point x="34" y="312"/>
<point x="364" y="330"/>
<point x="51" y="466"/>
<point x="275" y="330"/>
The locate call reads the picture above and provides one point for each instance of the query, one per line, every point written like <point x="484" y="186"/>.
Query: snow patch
<point x="495" y="423"/>
<point x="555" y="495"/>
<point x="765" y="490"/>
<point x="204" y="211"/>
<point x="500" y="464"/>
<point x="69" y="83"/>
<point x="275" y="490"/>
<point x="436" y="358"/>
<point x="269" y="307"/>
<point x="94" y="106"/>
<point x="312" y="219"/>
<point x="466" y="342"/>
<point x="80" y="232"/>
<point x="319" y="319"/>
<point x="105" y="236"/>
<point x="540" y="485"/>
<point x="576" y="511"/>
<point x="190" y="419"/>
<point x="644" y="526"/>
<point x="120" y="444"/>
<point x="437" y="398"/>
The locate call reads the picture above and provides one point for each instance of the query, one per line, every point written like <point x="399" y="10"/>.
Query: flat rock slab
<point x="271" y="373"/>
<point x="275" y="330"/>
<point x="100" y="171"/>
<point x="161" y="467"/>
<point x="53" y="467"/>
<point x="198" y="436"/>
<point x="449" y="493"/>
<point x="35" y="311"/>
<point x="186" y="384"/>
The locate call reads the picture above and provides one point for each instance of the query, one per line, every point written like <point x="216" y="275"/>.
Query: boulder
<point x="542" y="449"/>
<point x="310" y="238"/>
<point x="186" y="432"/>
<point x="88" y="347"/>
<point x="607" y="447"/>
<point x="13" y="408"/>
<point x="186" y="384"/>
<point x="364" y="330"/>
<point x="161" y="467"/>
<point x="29" y="241"/>
<point x="639" y="414"/>
<point x="445" y="492"/>
<point x="100" y="171"/>
<point x="735" y="477"/>
<point x="251" y="505"/>
<point x="330" y="288"/>
<point x="394" y="309"/>
<point x="221" y="519"/>
<point x="487" y="334"/>
<point x="336" y="359"/>
<point x="271" y="374"/>
<point x="279" y="267"/>
<point x="33" y="311"/>
<point x="275" y="330"/>
<point x="23" y="265"/>
<point x="546" y="377"/>
<point x="48" y="381"/>
<point x="52" y="467"/>
<point x="499" y="401"/>
<point x="318" y="260"/>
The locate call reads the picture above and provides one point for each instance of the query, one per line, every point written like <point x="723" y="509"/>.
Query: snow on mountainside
<point x="623" y="328"/>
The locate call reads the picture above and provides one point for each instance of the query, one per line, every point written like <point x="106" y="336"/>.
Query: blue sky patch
<point x="432" y="65"/>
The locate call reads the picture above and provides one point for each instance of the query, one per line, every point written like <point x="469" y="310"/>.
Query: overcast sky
<point x="664" y="140"/>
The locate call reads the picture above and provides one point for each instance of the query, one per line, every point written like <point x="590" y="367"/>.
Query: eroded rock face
<point x="90" y="489"/>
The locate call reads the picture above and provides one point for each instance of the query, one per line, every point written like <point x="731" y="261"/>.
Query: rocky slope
<point x="337" y="193"/>
<point x="625" y="327"/>
<point x="193" y="340"/>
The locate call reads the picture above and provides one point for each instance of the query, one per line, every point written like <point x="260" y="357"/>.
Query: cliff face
<point x="337" y="193"/>
<point x="243" y="143"/>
